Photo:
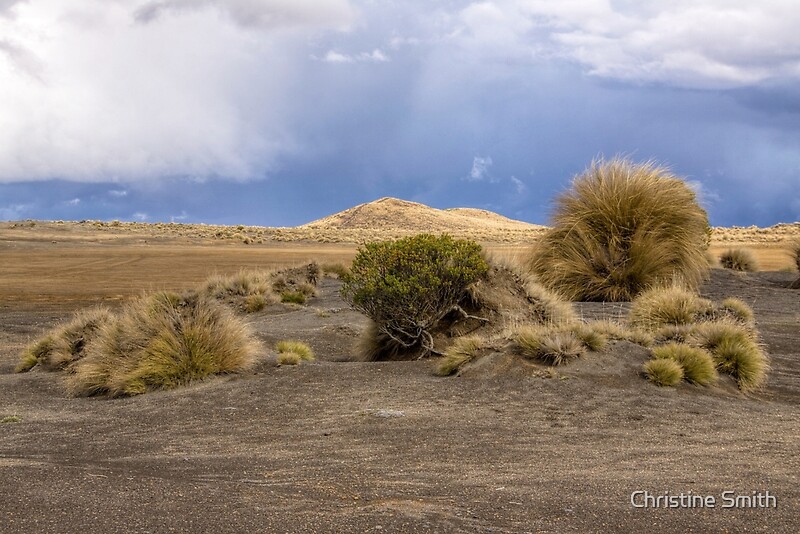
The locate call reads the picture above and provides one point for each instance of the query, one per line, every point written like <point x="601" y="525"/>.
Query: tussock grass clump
<point x="739" y="259"/>
<point x="621" y="229"/>
<point x="710" y="335"/>
<point x="461" y="352"/>
<point x="609" y="328"/>
<point x="65" y="344"/>
<point x="336" y="270"/>
<point x="375" y="345"/>
<point x="162" y="341"/>
<point x="241" y="284"/>
<point x="664" y="372"/>
<point x="727" y="331"/>
<point x="697" y="364"/>
<point x="250" y="291"/>
<point x="254" y="303"/>
<point x="296" y="347"/>
<point x="553" y="346"/>
<point x="668" y="306"/>
<point x="593" y="339"/>
<point x="738" y="310"/>
<point x="613" y="330"/>
<point x="673" y="333"/>
<point x="794" y="252"/>
<point x="551" y="307"/>
<point x="289" y="358"/>
<point x="744" y="360"/>
<point x="293" y="297"/>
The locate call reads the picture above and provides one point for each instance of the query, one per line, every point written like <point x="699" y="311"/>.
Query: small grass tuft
<point x="593" y="340"/>
<point x="698" y="364"/>
<point x="10" y="419"/>
<point x="743" y="359"/>
<point x="739" y="259"/>
<point x="738" y="310"/>
<point x="552" y="346"/>
<point x="665" y="306"/>
<point x="297" y="347"/>
<point x="641" y="337"/>
<point x="289" y="358"/>
<point x="674" y="333"/>
<point x="293" y="297"/>
<point x="461" y="352"/>
<point x="254" y="303"/>
<point x="664" y="372"/>
<point x="337" y="270"/>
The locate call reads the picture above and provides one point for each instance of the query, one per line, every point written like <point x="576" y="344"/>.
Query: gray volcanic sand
<point x="339" y="446"/>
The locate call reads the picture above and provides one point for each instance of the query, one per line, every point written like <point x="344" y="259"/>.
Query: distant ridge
<point x="402" y="215"/>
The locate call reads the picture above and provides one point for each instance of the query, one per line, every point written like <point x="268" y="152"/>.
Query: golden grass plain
<point x="94" y="261"/>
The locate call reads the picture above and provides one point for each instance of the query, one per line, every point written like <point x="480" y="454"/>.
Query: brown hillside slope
<point x="398" y="217"/>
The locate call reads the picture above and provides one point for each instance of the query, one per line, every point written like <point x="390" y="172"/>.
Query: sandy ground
<point x="339" y="446"/>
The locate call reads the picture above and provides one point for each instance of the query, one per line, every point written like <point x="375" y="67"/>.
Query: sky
<point x="278" y="112"/>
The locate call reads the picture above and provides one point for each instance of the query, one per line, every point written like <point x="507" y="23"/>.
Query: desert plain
<point x="340" y="445"/>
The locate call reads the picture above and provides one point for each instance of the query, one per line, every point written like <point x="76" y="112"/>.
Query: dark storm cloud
<point x="204" y="110"/>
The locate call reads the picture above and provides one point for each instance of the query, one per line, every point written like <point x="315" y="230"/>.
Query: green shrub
<point x="697" y="364"/>
<point x="623" y="228"/>
<point x="407" y="286"/>
<point x="664" y="372"/>
<point x="160" y="342"/>
<point x="296" y="347"/>
<point x="461" y="352"/>
<point x="739" y="259"/>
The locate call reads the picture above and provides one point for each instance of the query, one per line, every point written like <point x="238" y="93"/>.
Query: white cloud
<point x="262" y="14"/>
<point x="7" y="7"/>
<point x="140" y="216"/>
<point x="519" y="185"/>
<point x="376" y="56"/>
<point x="73" y="202"/>
<point x="700" y="44"/>
<point x="480" y="169"/>
<point x="333" y="56"/>
<point x="88" y="94"/>
<point x="118" y="193"/>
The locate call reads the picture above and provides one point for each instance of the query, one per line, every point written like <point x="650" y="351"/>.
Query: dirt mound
<point x="396" y="214"/>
